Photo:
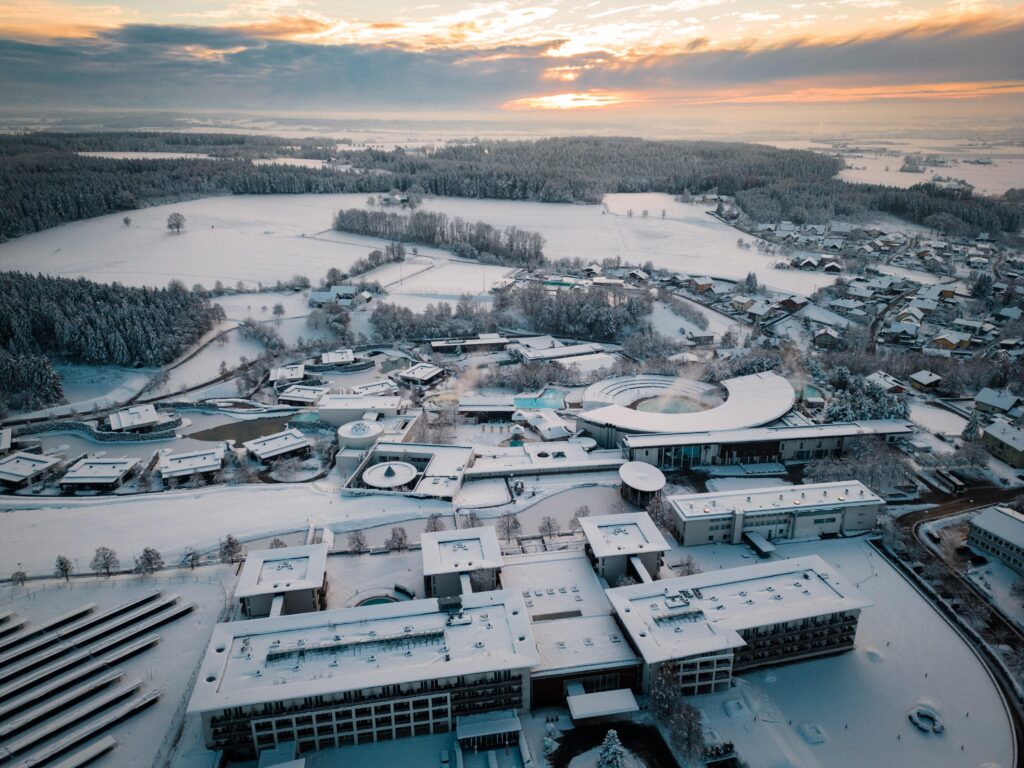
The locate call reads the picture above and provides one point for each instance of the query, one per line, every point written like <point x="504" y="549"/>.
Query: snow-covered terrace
<point x="752" y="400"/>
<point x="288" y="569"/>
<point x="625" y="534"/>
<point x="703" y="613"/>
<point x="136" y="417"/>
<point x="460" y="551"/>
<point x="540" y="458"/>
<point x="351" y="649"/>
<point x="847" y="493"/>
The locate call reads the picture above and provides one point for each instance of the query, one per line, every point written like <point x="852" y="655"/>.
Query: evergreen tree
<point x="612" y="754"/>
<point x="230" y="549"/>
<point x="972" y="430"/>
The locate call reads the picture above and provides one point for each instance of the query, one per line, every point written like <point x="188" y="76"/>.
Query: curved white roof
<point x="389" y="474"/>
<point x="642" y="476"/>
<point x="753" y="400"/>
<point x="626" y="390"/>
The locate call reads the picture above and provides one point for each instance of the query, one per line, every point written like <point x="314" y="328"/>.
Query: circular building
<point x="641" y="482"/>
<point x="359" y="434"/>
<point x="390" y="475"/>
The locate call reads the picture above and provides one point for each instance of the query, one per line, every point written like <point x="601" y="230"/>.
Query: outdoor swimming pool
<point x="668" y="404"/>
<point x="549" y="398"/>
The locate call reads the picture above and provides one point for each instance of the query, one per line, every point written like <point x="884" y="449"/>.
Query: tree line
<point x="478" y="240"/>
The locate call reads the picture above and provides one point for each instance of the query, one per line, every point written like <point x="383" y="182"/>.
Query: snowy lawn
<point x="936" y="420"/>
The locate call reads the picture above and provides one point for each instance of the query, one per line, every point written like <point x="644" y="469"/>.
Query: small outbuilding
<point x="641" y="482"/>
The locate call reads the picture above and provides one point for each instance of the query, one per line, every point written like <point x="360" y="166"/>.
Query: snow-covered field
<point x="265" y="238"/>
<point x="906" y="653"/>
<point x="936" y="420"/>
<point x="993" y="179"/>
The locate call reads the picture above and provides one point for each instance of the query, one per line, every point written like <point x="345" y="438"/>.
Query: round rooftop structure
<point x="641" y="483"/>
<point x="642" y="477"/>
<point x="389" y="475"/>
<point x="359" y="434"/>
<point x="586" y="443"/>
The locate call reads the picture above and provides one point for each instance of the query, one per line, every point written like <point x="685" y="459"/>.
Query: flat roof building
<point x="774" y="512"/>
<point x="758" y="445"/>
<point x="302" y="395"/>
<point x="288" y="373"/>
<point x="283" y="581"/>
<point x="174" y="466"/>
<point x="137" y="418"/>
<point x="98" y="474"/>
<point x="999" y="531"/>
<point x="420" y="375"/>
<point x="20" y="469"/>
<point x="338" y="357"/>
<point x="448" y="555"/>
<point x="363" y="674"/>
<point x="708" y="625"/>
<point x="416" y="469"/>
<point x="624" y="545"/>
<point x="341" y="409"/>
<point x="280" y="445"/>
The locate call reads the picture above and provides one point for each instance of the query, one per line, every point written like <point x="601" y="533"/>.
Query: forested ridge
<point x="44" y="183"/>
<point x="85" y="322"/>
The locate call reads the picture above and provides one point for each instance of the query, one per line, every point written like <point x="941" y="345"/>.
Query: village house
<point x="1005" y="441"/>
<point x="925" y="380"/>
<point x="991" y="400"/>
<point x="826" y="338"/>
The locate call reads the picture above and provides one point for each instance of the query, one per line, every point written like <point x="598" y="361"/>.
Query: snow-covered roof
<point x="19" y="466"/>
<point x="532" y="354"/>
<point x="135" y="417"/>
<point x="756" y="434"/>
<point x="286" y="569"/>
<point x="194" y="462"/>
<point x="351" y="649"/>
<point x="601" y="704"/>
<point x="293" y="372"/>
<point x="581" y="644"/>
<point x="460" y="551"/>
<point x="925" y="378"/>
<point x="360" y="401"/>
<point x="587" y="363"/>
<point x="704" y="613"/>
<point x="1000" y="400"/>
<point x="847" y="493"/>
<point x="420" y="372"/>
<point x="269" y="446"/>
<point x="305" y="395"/>
<point x="5" y="439"/>
<point x="632" y="533"/>
<point x="752" y="400"/>
<point x="440" y="467"/>
<point x="1003" y="523"/>
<point x="98" y="470"/>
<point x="337" y="357"/>
<point x="641" y="476"/>
<point x="1007" y="434"/>
<point x="487" y="403"/>
<point x="389" y="475"/>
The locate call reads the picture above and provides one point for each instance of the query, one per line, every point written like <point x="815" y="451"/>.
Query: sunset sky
<point x="508" y="58"/>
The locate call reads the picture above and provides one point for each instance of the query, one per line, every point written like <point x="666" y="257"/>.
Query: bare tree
<point x="62" y="568"/>
<point x="688" y="567"/>
<point x="230" y="549"/>
<point x="549" y="526"/>
<point x="176" y="222"/>
<point x="471" y="520"/>
<point x="105" y="561"/>
<point x="277" y="544"/>
<point x="435" y="523"/>
<point x="149" y="561"/>
<point x="190" y="558"/>
<point x="398" y="540"/>
<point x="127" y="221"/>
<point x="509" y="526"/>
<point x="357" y="542"/>
<point x="18" y="578"/>
<point x="581" y="511"/>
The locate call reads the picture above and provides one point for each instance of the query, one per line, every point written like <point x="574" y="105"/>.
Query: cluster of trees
<point x="478" y="240"/>
<point x="89" y="322"/>
<point x="684" y="309"/>
<point x="680" y="719"/>
<point x="821" y="200"/>
<point x="868" y="460"/>
<point x="584" y="169"/>
<point x="333" y="317"/>
<point x="41" y="187"/>
<point x="596" y="313"/>
<point x="214" y="144"/>
<point x="28" y="382"/>
<point x="436" y="321"/>
<point x="855" y="399"/>
<point x="393" y="252"/>
<point x="757" y="361"/>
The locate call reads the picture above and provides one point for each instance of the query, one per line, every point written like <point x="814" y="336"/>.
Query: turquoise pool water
<point x="549" y="398"/>
<point x="378" y="600"/>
